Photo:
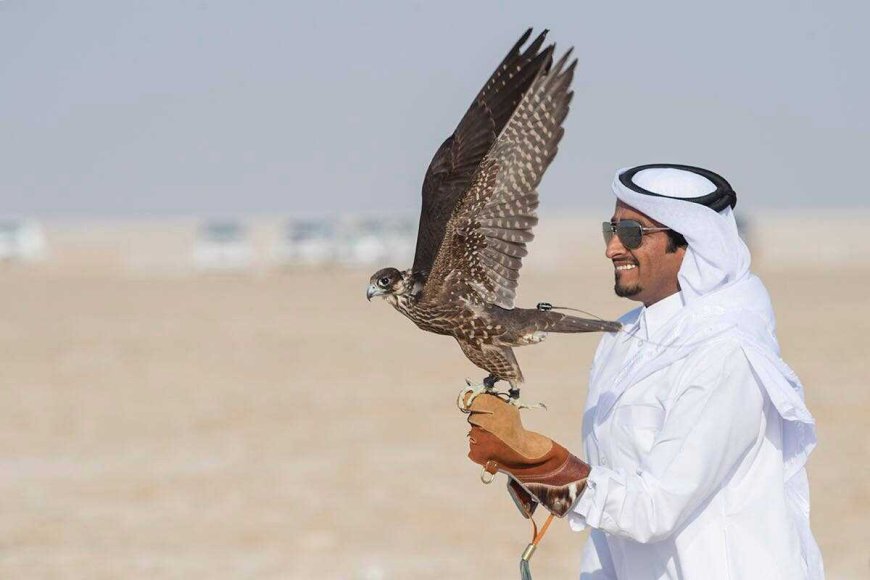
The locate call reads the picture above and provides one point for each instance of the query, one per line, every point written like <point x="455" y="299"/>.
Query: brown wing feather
<point x="486" y="237"/>
<point x="451" y="170"/>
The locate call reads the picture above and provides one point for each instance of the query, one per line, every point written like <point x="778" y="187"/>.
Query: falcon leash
<point x="537" y="536"/>
<point x="546" y="307"/>
<point x="525" y="571"/>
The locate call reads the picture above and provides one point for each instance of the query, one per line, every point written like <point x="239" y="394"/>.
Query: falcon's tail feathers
<point x="557" y="322"/>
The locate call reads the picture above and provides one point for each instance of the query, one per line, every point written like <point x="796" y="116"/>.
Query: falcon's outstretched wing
<point x="451" y="170"/>
<point x="485" y="238"/>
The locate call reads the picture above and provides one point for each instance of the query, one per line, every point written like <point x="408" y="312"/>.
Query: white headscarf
<point x="722" y="298"/>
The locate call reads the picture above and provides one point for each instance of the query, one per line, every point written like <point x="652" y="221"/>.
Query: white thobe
<point x="688" y="469"/>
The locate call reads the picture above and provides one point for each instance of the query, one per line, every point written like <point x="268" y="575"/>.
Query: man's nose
<point x="614" y="248"/>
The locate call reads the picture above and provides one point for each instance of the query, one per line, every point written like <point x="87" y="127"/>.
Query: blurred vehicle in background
<point x="21" y="241"/>
<point x="362" y="242"/>
<point x="369" y="241"/>
<point x="222" y="245"/>
<point x="400" y="237"/>
<point x="307" y="242"/>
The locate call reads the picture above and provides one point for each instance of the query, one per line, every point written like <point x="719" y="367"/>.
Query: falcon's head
<point x="387" y="282"/>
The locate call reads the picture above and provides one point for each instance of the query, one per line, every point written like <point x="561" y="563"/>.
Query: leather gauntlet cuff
<point x="544" y="469"/>
<point x="522" y="499"/>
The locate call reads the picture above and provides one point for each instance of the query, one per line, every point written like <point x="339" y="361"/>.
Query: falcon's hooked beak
<point x="373" y="291"/>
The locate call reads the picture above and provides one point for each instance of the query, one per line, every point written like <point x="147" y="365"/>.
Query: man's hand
<point x="540" y="470"/>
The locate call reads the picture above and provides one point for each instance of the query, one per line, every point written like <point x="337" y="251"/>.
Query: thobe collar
<point x="652" y="318"/>
<point x="641" y="336"/>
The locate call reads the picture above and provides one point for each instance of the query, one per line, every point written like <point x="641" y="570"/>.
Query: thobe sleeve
<point x="715" y="417"/>
<point x="597" y="563"/>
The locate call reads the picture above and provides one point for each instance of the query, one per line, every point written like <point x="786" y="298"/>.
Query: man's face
<point x="647" y="273"/>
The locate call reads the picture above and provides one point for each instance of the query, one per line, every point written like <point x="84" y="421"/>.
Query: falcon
<point x="479" y="202"/>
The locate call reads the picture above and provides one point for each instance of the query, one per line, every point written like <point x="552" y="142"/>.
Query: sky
<point x="152" y="108"/>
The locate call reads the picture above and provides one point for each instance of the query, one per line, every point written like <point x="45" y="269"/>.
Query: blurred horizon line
<point x="571" y="212"/>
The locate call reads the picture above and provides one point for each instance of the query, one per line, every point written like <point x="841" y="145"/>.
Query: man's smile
<point x="626" y="266"/>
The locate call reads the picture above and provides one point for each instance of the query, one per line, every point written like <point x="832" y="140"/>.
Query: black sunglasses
<point x="629" y="232"/>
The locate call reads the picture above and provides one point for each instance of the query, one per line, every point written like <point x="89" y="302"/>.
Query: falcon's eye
<point x="384" y="282"/>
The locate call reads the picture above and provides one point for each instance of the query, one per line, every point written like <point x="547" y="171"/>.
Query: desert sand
<point x="276" y="425"/>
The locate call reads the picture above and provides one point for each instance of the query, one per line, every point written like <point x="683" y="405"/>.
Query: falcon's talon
<point x="471" y="392"/>
<point x="520" y="404"/>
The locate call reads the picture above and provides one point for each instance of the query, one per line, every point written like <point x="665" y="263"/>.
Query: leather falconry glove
<point x="539" y="469"/>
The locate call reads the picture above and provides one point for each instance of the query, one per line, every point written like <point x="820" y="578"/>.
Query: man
<point x="695" y="430"/>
